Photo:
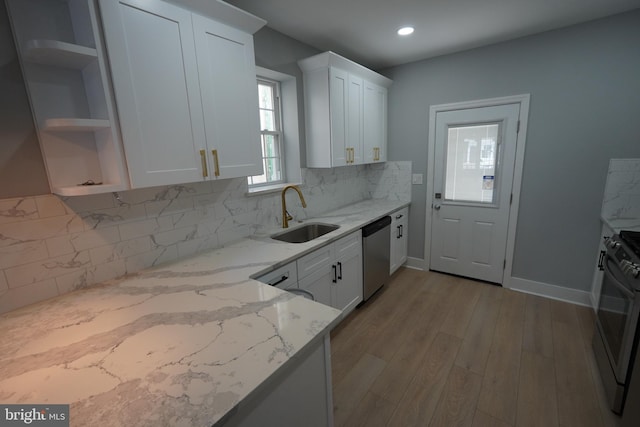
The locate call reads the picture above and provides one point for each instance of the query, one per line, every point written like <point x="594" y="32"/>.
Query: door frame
<point x="521" y="137"/>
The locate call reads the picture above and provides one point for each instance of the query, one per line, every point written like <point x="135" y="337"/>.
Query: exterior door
<point x="474" y="163"/>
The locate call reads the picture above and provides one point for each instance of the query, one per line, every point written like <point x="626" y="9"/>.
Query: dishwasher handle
<point x="376" y="226"/>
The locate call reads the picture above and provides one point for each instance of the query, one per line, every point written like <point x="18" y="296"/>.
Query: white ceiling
<point x="365" y="30"/>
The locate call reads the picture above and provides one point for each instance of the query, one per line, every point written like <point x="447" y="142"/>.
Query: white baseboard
<point x="546" y="290"/>
<point x="415" y="263"/>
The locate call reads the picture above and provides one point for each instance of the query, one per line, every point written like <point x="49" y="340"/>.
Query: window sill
<point x="266" y="189"/>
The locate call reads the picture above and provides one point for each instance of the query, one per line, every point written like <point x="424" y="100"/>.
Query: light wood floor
<point x="437" y="350"/>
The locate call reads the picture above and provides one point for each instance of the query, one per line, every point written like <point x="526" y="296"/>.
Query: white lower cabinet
<point x="399" y="239"/>
<point x="333" y="273"/>
<point x="299" y="396"/>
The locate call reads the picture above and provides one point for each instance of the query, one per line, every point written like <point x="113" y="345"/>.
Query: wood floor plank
<point x="465" y="300"/>
<point x="537" y="400"/>
<point x="345" y="359"/>
<point x="476" y="344"/>
<point x="398" y="329"/>
<point x="419" y="402"/>
<point x="563" y="312"/>
<point x="456" y="406"/>
<point x="500" y="383"/>
<point x="538" y="337"/>
<point x="400" y="371"/>
<point x="525" y="353"/>
<point x="380" y="308"/>
<point x="349" y="392"/>
<point x="482" y="419"/>
<point x="372" y="411"/>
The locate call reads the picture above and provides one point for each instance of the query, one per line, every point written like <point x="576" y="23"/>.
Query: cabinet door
<point x="228" y="85"/>
<point x="375" y="123"/>
<point x="355" y="116"/>
<point x="320" y="283"/>
<point x="399" y="239"/>
<point x="155" y="78"/>
<point x="338" y="98"/>
<point x="348" y="288"/>
<point x="403" y="240"/>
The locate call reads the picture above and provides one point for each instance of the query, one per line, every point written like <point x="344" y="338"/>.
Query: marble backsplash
<point x="51" y="245"/>
<point x="622" y="191"/>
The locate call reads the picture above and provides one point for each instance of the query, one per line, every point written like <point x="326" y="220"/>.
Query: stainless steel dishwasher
<point x="375" y="253"/>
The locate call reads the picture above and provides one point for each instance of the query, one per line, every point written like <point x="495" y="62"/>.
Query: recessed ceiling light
<point x="405" y="31"/>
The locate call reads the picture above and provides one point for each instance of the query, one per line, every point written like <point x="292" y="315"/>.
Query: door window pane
<point x="470" y="170"/>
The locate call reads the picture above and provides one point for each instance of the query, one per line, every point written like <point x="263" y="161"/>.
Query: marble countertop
<point x="180" y="344"/>
<point x="619" y="224"/>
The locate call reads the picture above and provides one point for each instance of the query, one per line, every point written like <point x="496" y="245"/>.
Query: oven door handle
<point x="621" y="287"/>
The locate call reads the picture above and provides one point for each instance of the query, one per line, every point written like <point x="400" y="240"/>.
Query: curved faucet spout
<point x="285" y="215"/>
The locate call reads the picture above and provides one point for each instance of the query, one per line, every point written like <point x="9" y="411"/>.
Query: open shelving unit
<point x="59" y="54"/>
<point x="63" y="60"/>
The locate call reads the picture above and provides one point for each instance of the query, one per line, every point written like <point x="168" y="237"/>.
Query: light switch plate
<point x="416" y="178"/>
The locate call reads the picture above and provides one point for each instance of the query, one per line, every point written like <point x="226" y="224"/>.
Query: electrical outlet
<point x="416" y="179"/>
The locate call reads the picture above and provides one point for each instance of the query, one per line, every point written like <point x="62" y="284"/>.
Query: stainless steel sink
<point x="305" y="232"/>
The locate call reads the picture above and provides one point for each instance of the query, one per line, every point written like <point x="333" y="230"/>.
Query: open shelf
<point x="85" y="190"/>
<point x="74" y="125"/>
<point x="61" y="54"/>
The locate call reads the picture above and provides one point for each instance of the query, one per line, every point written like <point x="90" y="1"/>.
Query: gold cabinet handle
<point x="216" y="165"/>
<point x="203" y="159"/>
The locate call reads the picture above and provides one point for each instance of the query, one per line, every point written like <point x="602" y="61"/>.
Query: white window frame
<point x="291" y="132"/>
<point x="277" y="133"/>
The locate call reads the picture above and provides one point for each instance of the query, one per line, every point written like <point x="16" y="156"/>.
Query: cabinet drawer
<point x="285" y="277"/>
<point x="400" y="215"/>
<point x="316" y="260"/>
<point x="349" y="244"/>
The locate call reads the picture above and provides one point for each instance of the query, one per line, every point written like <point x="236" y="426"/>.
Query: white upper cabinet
<point x="186" y="93"/>
<point x="345" y="112"/>
<point x="64" y="64"/>
<point x="227" y="70"/>
<point x="355" y="118"/>
<point x="338" y="109"/>
<point x="375" y="123"/>
<point x="155" y="79"/>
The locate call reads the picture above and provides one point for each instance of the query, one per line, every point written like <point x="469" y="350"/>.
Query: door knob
<point x="436" y="207"/>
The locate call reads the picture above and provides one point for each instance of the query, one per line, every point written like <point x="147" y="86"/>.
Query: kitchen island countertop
<point x="180" y="344"/>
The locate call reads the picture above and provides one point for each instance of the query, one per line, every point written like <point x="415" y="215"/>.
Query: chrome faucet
<point x="285" y="215"/>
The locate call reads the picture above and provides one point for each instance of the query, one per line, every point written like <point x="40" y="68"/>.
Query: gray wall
<point x="584" y="83"/>
<point x="22" y="170"/>
<point x="281" y="53"/>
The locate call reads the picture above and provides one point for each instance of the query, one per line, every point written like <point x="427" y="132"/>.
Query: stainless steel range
<point x="615" y="340"/>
